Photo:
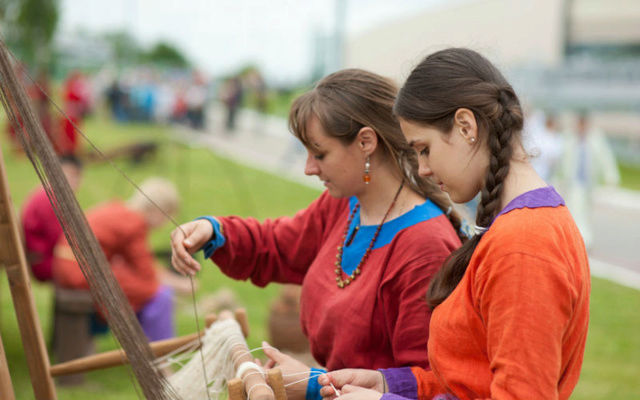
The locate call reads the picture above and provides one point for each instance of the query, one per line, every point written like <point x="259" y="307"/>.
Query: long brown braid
<point x="348" y="100"/>
<point x="441" y="84"/>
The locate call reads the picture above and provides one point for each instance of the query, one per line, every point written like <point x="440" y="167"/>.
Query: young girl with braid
<point x="511" y="306"/>
<point x="364" y="251"/>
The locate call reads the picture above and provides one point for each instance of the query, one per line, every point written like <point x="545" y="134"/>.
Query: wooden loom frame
<point x="13" y="258"/>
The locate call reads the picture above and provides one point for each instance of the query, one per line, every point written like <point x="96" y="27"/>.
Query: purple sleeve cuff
<point x="391" y="396"/>
<point x="400" y="382"/>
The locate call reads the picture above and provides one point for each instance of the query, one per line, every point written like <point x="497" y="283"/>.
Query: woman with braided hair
<point x="364" y="251"/>
<point x="511" y="306"/>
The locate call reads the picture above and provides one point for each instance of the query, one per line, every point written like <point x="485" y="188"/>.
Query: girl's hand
<point x="351" y="381"/>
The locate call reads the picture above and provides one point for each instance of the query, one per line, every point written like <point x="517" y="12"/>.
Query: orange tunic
<point x="515" y="326"/>
<point x="122" y="234"/>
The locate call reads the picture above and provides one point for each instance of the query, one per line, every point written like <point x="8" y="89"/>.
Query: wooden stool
<point x="71" y="329"/>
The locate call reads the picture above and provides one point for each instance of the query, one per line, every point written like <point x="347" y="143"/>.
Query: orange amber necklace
<point x="345" y="282"/>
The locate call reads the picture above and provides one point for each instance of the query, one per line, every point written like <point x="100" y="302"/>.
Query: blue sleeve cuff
<point x="401" y="381"/>
<point x="313" y="387"/>
<point x="218" y="239"/>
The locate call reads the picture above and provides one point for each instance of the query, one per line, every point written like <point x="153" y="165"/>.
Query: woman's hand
<point x="292" y="371"/>
<point x="360" y="383"/>
<point x="186" y="240"/>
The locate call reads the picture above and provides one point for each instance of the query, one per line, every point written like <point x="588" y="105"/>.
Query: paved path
<point x="265" y="143"/>
<point x="616" y="245"/>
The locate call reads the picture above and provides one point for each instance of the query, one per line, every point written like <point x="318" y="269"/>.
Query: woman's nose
<point x="311" y="166"/>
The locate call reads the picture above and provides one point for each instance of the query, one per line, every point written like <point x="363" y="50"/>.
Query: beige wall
<point x="509" y="32"/>
<point x="605" y="21"/>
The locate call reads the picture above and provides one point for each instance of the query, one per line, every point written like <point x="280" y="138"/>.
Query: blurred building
<point x="560" y="55"/>
<point x="513" y="33"/>
<point x="604" y="23"/>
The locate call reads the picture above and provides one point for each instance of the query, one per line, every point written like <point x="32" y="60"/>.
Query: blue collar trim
<point x="352" y="253"/>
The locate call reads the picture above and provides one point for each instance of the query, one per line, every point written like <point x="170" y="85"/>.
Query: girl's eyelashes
<point x="318" y="157"/>
<point x="424" y="152"/>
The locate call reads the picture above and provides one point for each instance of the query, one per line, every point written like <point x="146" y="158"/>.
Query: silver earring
<point x="472" y="139"/>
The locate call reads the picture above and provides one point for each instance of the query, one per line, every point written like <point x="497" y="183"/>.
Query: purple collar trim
<point x="542" y="197"/>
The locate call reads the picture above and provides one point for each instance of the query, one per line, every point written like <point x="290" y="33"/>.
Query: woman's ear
<point x="367" y="140"/>
<point x="465" y="124"/>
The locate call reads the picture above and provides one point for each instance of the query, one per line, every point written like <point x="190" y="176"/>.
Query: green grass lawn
<point x="611" y="368"/>
<point x="212" y="185"/>
<point x="629" y="176"/>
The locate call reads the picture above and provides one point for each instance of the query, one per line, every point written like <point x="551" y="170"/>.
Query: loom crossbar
<point x="119" y="357"/>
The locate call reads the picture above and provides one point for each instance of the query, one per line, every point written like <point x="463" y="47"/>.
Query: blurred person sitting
<point x="122" y="229"/>
<point x="40" y="225"/>
<point x="587" y="161"/>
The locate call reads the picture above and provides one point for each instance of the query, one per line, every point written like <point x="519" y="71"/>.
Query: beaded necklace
<point x="345" y="282"/>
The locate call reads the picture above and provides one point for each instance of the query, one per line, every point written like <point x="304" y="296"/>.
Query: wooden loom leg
<point x="6" y="388"/>
<point x="255" y="385"/>
<point x="236" y="386"/>
<point x="241" y="316"/>
<point x="274" y="379"/>
<point x="236" y="389"/>
<point x="12" y="256"/>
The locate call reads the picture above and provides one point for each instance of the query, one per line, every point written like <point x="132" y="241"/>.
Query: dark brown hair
<point x="441" y="84"/>
<point x="348" y="100"/>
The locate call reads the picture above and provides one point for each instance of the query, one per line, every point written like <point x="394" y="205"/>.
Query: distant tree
<point x="126" y="49"/>
<point x="248" y="69"/>
<point x="167" y="54"/>
<point x="29" y="26"/>
<point x="8" y="9"/>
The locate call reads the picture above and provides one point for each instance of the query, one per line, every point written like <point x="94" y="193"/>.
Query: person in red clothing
<point x="40" y="225"/>
<point x="364" y="251"/>
<point x="511" y="306"/>
<point x="122" y="230"/>
<point x="76" y="96"/>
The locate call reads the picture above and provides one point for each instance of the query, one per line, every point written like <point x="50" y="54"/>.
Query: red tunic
<point x="122" y="234"/>
<point x="381" y="320"/>
<point x="41" y="233"/>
